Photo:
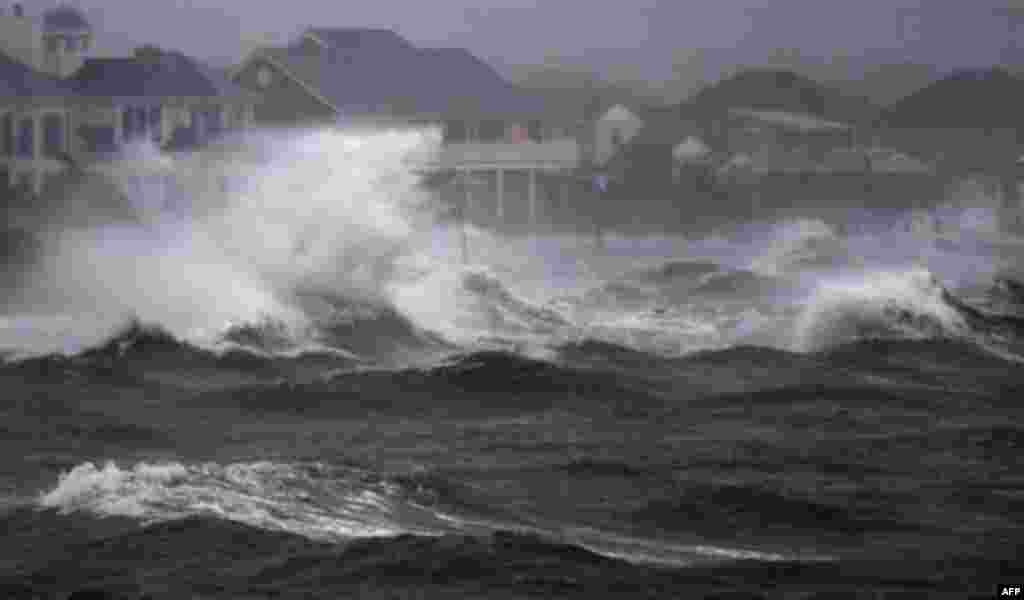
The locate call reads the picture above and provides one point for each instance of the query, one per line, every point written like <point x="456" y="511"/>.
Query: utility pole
<point x="461" y="208"/>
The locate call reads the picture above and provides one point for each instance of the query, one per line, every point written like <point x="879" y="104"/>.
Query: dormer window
<point x="264" y="77"/>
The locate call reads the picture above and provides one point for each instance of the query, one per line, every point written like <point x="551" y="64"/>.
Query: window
<point x="454" y="131"/>
<point x="71" y="44"/>
<point x="154" y="118"/>
<point x="492" y="131"/>
<point x="536" y="131"/>
<point x="616" y="138"/>
<point x="128" y="123"/>
<point x="53" y="136"/>
<point x="264" y="77"/>
<point x="26" y="138"/>
<point x="215" y="119"/>
<point x="85" y="42"/>
<point x="51" y="44"/>
<point x="7" y="133"/>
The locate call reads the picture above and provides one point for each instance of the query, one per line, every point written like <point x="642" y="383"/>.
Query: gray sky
<point x="626" y="39"/>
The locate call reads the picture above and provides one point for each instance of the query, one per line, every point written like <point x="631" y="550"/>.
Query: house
<point x="34" y="116"/>
<point x="162" y="96"/>
<point x="606" y="135"/>
<point x="970" y="124"/>
<point x="667" y="154"/>
<point x="35" y="104"/>
<point x="780" y="91"/>
<point x="376" y="75"/>
<point x="511" y="142"/>
<point x="60" y="107"/>
<point x="775" y="181"/>
<point x="750" y="129"/>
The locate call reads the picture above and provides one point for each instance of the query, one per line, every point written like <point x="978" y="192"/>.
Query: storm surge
<point x="288" y="244"/>
<point x="303" y="240"/>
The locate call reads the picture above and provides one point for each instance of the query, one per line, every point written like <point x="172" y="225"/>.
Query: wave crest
<point x="313" y="500"/>
<point x="889" y="305"/>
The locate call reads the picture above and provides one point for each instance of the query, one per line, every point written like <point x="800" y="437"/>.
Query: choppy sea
<point x="305" y="394"/>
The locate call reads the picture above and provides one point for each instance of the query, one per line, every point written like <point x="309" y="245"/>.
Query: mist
<point x="310" y="211"/>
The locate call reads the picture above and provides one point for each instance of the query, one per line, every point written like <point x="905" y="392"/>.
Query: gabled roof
<point x="366" y="71"/>
<point x="358" y="38"/>
<point x="20" y="81"/>
<point x="780" y="90"/>
<point x="172" y="74"/>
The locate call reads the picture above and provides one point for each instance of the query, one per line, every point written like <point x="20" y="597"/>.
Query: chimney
<point x="149" y="55"/>
<point x="18" y="11"/>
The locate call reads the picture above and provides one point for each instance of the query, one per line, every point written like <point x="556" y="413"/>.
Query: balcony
<point x="555" y="154"/>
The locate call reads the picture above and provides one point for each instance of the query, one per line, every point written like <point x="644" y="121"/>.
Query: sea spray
<point x="888" y="304"/>
<point x="328" y="210"/>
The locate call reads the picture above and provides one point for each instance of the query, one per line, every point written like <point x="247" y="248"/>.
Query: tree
<point x="148" y="51"/>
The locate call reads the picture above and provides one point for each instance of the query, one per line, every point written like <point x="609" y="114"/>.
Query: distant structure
<point x="54" y="43"/>
<point x="61" y="108"/>
<point x="503" y="150"/>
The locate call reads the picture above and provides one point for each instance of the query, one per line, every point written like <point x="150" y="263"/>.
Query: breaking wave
<point x="229" y="254"/>
<point x="910" y="304"/>
<point x="312" y="500"/>
<point x="334" y="504"/>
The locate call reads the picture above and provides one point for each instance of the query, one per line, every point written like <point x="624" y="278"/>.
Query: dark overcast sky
<point x="638" y="37"/>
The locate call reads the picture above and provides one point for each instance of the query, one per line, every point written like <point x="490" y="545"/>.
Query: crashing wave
<point x="804" y="246"/>
<point x="897" y="305"/>
<point x="312" y="500"/>
<point x="267" y="335"/>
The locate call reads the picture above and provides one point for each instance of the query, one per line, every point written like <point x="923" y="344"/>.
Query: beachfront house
<point x="35" y="112"/>
<point x="62" y="108"/>
<point x="749" y="130"/>
<point x="775" y="182"/>
<point x="34" y="116"/>
<point x="160" y="96"/>
<point x="509" y="148"/>
<point x="608" y="134"/>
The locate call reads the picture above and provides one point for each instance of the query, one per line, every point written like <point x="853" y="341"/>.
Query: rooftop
<point x="371" y="70"/>
<point x="170" y="74"/>
<point x="19" y="81"/>
<point x="65" y="18"/>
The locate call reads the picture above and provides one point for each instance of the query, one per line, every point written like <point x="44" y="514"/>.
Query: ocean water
<point x="294" y="388"/>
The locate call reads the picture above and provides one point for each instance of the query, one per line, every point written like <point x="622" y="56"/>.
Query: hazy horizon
<point x="669" y="47"/>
